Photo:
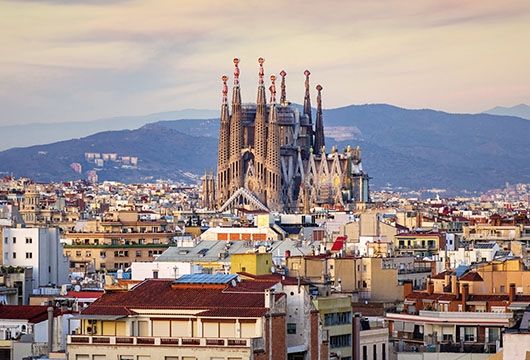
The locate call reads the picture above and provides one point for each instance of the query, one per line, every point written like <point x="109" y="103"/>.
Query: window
<point x="78" y="253"/>
<point x="374" y="353"/>
<point x="14" y="255"/>
<point x="291" y="328"/>
<point x="88" y="254"/>
<point x="365" y="353"/>
<point x="155" y="274"/>
<point x="14" y="240"/>
<point x="340" y="341"/>
<point x="156" y="241"/>
<point x="470" y="334"/>
<point x="383" y="351"/>
<point x="5" y="239"/>
<point x="138" y="253"/>
<point x="29" y="255"/>
<point x="340" y="318"/>
<point x="6" y="255"/>
<point x="28" y="240"/>
<point x="494" y="334"/>
<point x="502" y="289"/>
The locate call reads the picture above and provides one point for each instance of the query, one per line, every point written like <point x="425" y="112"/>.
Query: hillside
<point x="409" y="148"/>
<point x="521" y="110"/>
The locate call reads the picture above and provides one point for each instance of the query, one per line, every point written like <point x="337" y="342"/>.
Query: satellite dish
<point x="77" y="288"/>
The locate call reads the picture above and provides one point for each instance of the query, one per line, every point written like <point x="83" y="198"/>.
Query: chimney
<point x="430" y="287"/>
<point x="269" y="298"/>
<point x="511" y="294"/>
<point x="50" y="329"/>
<point x="455" y="286"/>
<point x="356" y="337"/>
<point x="465" y="294"/>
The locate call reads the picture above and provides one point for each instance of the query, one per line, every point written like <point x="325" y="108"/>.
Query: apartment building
<point x="367" y="277"/>
<point x="202" y="317"/>
<point x="117" y="241"/>
<point x="462" y="310"/>
<point x="419" y="243"/>
<point x="38" y="248"/>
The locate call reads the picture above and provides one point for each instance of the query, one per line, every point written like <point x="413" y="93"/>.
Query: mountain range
<point x="521" y="110"/>
<point x="45" y="133"/>
<point x="407" y="148"/>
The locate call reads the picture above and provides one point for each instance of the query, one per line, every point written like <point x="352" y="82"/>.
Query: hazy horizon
<point x="82" y="60"/>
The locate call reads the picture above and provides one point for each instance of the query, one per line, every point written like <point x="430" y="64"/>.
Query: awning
<point x="97" y="317"/>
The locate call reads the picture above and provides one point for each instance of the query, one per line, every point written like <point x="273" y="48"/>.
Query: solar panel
<point x="206" y="278"/>
<point x="461" y="270"/>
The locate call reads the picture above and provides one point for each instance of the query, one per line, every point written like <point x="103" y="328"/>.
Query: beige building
<point x="366" y="277"/>
<point x="117" y="241"/>
<point x="201" y="318"/>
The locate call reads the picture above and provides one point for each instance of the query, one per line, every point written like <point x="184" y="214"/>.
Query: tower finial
<point x="272" y="89"/>
<point x="283" y="97"/>
<point x="236" y="71"/>
<point x="261" y="71"/>
<point x="225" y="89"/>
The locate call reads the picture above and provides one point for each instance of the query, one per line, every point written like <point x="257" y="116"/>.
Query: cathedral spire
<point x="223" y="155"/>
<point x="260" y="131"/>
<point x="283" y="97"/>
<point x="236" y="94"/>
<point x="273" y="155"/>
<point x="319" y="125"/>
<point x="307" y="97"/>
<point x="307" y="111"/>
<point x="236" y="134"/>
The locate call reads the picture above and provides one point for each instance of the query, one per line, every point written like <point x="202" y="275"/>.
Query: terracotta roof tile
<point x="33" y="313"/>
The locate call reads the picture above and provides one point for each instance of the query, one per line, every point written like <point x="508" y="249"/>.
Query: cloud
<point x="104" y="58"/>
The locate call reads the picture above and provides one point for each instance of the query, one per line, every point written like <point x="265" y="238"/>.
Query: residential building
<point x="201" y="317"/>
<point x="116" y="242"/>
<point x="467" y="308"/>
<point x="38" y="248"/>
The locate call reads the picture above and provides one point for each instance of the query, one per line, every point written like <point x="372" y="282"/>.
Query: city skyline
<point x="81" y="60"/>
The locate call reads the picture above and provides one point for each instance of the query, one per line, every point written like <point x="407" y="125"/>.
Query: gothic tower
<point x="319" y="123"/>
<point x="260" y="135"/>
<point x="283" y="97"/>
<point x="223" y="155"/>
<point x="236" y="135"/>
<point x="273" y="157"/>
<point x="307" y="108"/>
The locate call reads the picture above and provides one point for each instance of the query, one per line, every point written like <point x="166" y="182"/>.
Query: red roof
<point x="32" y="313"/>
<point x="338" y="244"/>
<point x="245" y="299"/>
<point x="472" y="276"/>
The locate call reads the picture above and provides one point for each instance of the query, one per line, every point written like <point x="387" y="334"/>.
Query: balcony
<point x="252" y="343"/>
<point x="456" y="317"/>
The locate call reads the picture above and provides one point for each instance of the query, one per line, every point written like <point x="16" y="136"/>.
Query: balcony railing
<point x="253" y="343"/>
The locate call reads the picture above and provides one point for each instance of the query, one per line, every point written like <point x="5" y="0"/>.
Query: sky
<point x="79" y="60"/>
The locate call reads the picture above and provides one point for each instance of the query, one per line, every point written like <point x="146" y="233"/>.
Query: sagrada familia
<point x="272" y="157"/>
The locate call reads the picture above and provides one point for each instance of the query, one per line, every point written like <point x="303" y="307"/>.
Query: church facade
<point x="272" y="156"/>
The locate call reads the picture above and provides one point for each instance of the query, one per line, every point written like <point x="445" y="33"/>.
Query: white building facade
<point x="38" y="248"/>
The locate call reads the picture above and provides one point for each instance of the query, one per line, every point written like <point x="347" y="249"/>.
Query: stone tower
<point x="223" y="152"/>
<point x="319" y="123"/>
<point x="274" y="184"/>
<point x="260" y="136"/>
<point x="236" y="135"/>
<point x="307" y="109"/>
